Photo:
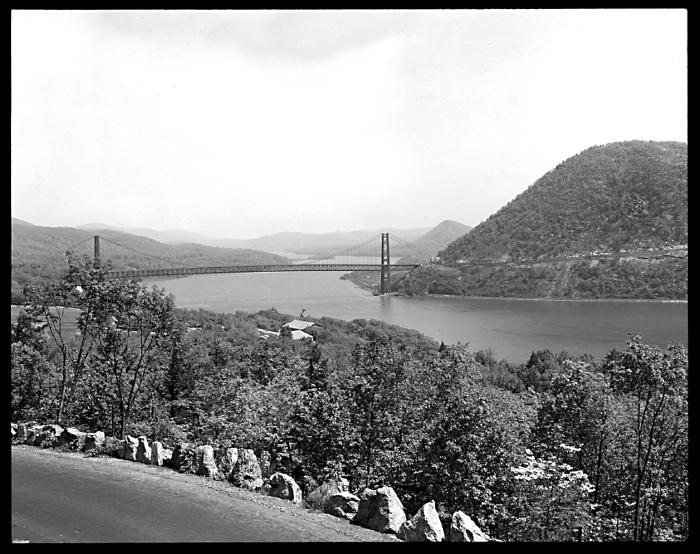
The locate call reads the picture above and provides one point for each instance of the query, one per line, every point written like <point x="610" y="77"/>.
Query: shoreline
<point x="372" y="289"/>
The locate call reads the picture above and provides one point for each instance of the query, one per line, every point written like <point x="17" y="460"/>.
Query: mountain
<point x="39" y="253"/>
<point x="609" y="222"/>
<point x="436" y="239"/>
<point x="172" y="236"/>
<point x="624" y="195"/>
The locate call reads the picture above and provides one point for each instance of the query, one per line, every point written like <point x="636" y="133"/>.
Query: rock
<point x="112" y="446"/>
<point x="246" y="472"/>
<point x="13" y="430"/>
<point x="342" y="504"/>
<point x="157" y="453"/>
<point x="130" y="448"/>
<point x="94" y="442"/>
<point x="48" y="436"/>
<point x="265" y="459"/>
<point x="205" y="461"/>
<point x="463" y="529"/>
<point x="184" y="458"/>
<point x="283" y="486"/>
<point x="33" y="434"/>
<point x="143" y="450"/>
<point x="318" y="497"/>
<point x="425" y="526"/>
<point x="225" y="459"/>
<point x="72" y="438"/>
<point x="380" y="510"/>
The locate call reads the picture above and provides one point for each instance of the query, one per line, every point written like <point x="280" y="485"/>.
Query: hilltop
<point x="609" y="222"/>
<point x="39" y="253"/>
<point x="436" y="239"/>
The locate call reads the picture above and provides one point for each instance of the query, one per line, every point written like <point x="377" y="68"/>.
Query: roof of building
<point x="299" y="324"/>
<point x="296" y="335"/>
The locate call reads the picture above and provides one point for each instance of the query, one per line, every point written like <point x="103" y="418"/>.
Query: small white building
<point x="299" y="325"/>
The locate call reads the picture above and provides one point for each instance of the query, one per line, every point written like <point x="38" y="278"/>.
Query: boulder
<point x="380" y="510"/>
<point x="246" y="472"/>
<point x="143" y="450"/>
<point x="112" y="447"/>
<point x="72" y="438"/>
<point x="130" y="448"/>
<point x="225" y="459"/>
<point x="425" y="526"/>
<point x="157" y="453"/>
<point x="183" y="458"/>
<point x="48" y="436"/>
<point x="463" y="529"/>
<point x="94" y="442"/>
<point x="205" y="461"/>
<point x="33" y="434"/>
<point x="318" y="497"/>
<point x="283" y="486"/>
<point x="13" y="430"/>
<point x="342" y="504"/>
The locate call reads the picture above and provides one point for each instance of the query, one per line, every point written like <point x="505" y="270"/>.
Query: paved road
<point x="65" y="497"/>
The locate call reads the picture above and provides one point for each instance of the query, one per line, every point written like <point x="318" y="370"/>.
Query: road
<point x="66" y="497"/>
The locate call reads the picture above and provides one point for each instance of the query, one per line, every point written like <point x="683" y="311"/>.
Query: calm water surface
<point x="512" y="328"/>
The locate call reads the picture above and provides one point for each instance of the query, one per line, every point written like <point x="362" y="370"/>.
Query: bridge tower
<point x="385" y="286"/>
<point x="97" y="251"/>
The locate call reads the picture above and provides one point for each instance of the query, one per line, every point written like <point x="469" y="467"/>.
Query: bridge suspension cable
<point x="411" y="247"/>
<point x="149" y="256"/>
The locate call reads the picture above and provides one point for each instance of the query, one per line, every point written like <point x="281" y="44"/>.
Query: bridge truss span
<point x="137" y="273"/>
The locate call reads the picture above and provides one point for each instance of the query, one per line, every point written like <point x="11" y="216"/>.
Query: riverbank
<point x="370" y="283"/>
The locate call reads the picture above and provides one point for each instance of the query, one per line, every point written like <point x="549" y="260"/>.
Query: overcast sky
<point x="239" y="124"/>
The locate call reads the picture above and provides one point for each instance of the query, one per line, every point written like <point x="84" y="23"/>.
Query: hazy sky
<point x="239" y="124"/>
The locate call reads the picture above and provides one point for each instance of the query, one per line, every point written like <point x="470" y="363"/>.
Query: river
<point x="512" y="328"/>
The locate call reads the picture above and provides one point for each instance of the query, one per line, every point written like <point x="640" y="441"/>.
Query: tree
<point x="654" y="385"/>
<point x="80" y="288"/>
<point x="134" y="353"/>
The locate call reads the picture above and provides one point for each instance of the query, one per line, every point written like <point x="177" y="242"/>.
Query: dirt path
<point x="66" y="497"/>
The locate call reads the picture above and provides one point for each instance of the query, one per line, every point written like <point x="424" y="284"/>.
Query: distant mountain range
<point x="312" y="244"/>
<point x="39" y="253"/>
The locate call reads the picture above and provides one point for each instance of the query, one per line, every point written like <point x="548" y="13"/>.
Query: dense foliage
<point x="665" y="278"/>
<point x="555" y="448"/>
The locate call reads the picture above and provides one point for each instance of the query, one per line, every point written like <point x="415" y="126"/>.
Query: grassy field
<point x="70" y="318"/>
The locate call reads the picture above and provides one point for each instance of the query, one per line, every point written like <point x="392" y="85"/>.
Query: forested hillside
<point x="610" y="222"/>
<point x="624" y="195"/>
<point x="39" y="253"/>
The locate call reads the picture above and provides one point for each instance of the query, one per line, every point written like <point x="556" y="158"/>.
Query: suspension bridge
<point x="370" y="255"/>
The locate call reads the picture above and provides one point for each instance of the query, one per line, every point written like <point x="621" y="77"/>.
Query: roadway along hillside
<point x="65" y="497"/>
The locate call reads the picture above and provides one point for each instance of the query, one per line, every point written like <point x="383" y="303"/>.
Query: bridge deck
<point x="129" y="273"/>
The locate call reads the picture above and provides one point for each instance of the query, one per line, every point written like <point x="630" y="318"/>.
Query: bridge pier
<point x="385" y="283"/>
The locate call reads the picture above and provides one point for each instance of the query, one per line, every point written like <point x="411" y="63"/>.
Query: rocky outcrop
<point x="72" y="438"/>
<point x="463" y="529"/>
<point x="205" y="461"/>
<point x="380" y="510"/>
<point x="184" y="458"/>
<point x="425" y="526"/>
<point x="143" y="450"/>
<point x="246" y="472"/>
<point x="342" y="504"/>
<point x="318" y="497"/>
<point x="283" y="486"/>
<point x="13" y="430"/>
<point x="94" y="442"/>
<point x="130" y="448"/>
